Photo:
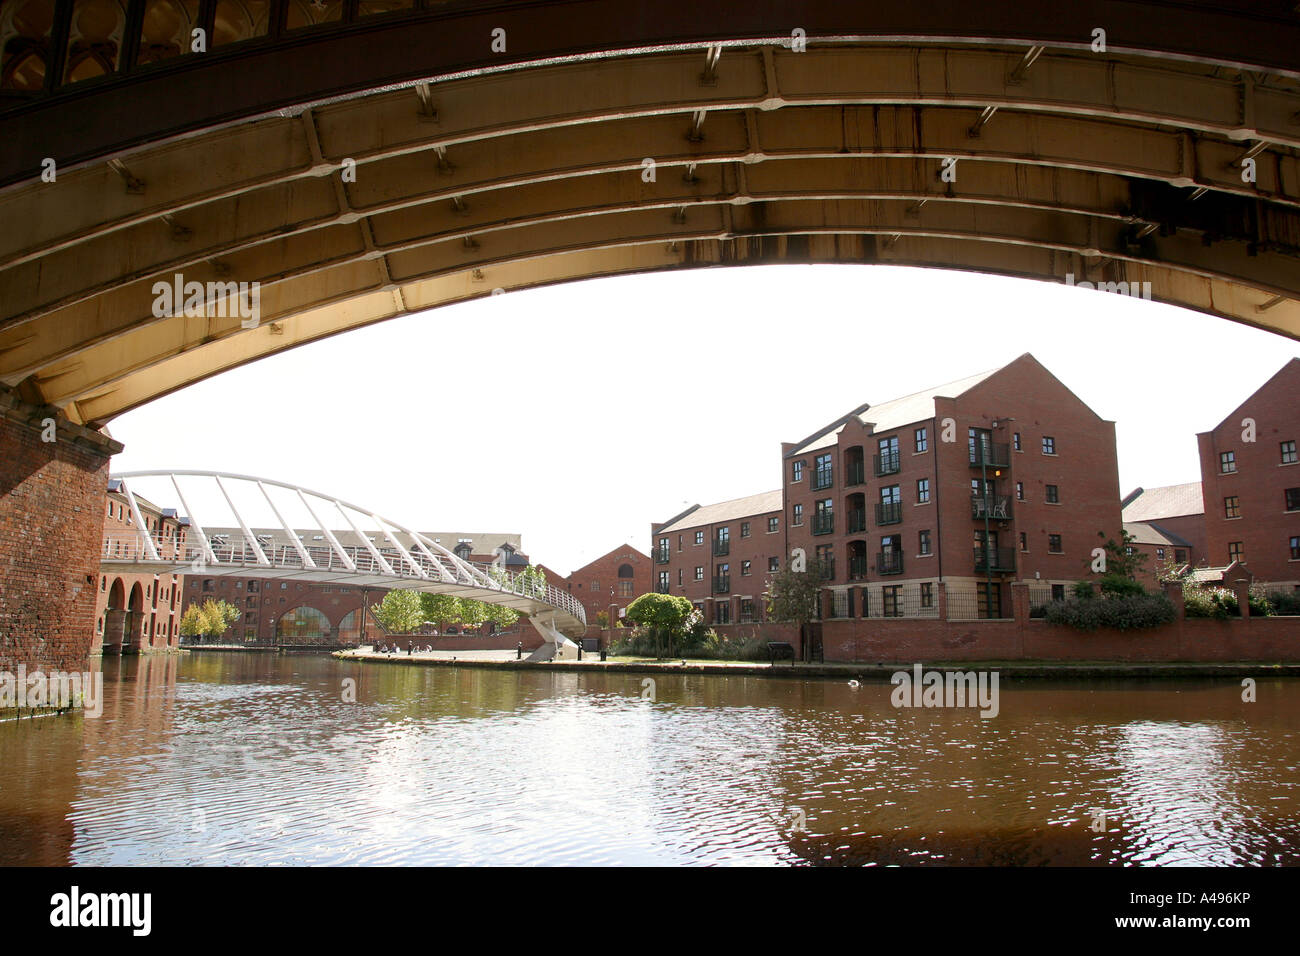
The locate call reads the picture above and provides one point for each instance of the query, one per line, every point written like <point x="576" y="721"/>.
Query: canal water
<point x="259" y="758"/>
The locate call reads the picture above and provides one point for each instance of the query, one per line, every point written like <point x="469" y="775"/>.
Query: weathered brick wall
<point x="51" y="523"/>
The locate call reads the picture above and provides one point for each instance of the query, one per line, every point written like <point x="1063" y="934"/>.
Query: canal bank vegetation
<point x="1119" y="601"/>
<point x="210" y="619"/>
<point x="672" y="626"/>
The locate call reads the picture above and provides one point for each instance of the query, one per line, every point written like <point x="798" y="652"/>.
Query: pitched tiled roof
<point x="1144" y="532"/>
<point x="1170" y="501"/>
<point x="899" y="411"/>
<point x="727" y="511"/>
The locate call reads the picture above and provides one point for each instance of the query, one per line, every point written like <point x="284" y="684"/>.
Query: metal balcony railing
<point x="822" y="478"/>
<point x="856" y="473"/>
<point x="889" y="512"/>
<point x="722" y="584"/>
<point x="889" y="562"/>
<point x="823" y="522"/>
<point x="721" y="547"/>
<point x="828" y="568"/>
<point x="858" y="568"/>
<point x="856" y="521"/>
<point x="996" y="507"/>
<point x="995" y="559"/>
<point x="992" y="454"/>
<point x="661" y="587"/>
<point x="661" y="556"/>
<point x="887" y="464"/>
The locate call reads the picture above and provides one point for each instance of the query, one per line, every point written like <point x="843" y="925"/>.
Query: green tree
<point x="442" y="609"/>
<point x="1119" y="561"/>
<point x="209" y="619"/>
<point x="400" y="611"/>
<point x="665" y="614"/>
<point x="794" y="596"/>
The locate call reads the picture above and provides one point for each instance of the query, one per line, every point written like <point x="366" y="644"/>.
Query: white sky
<point x="578" y="414"/>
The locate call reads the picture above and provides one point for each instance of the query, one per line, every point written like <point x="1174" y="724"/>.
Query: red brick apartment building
<point x="615" y="578"/>
<point x="1167" y="525"/>
<point x="1003" y="476"/>
<point x="1250" y="482"/>
<point x="137" y="613"/>
<point x="720" y="556"/>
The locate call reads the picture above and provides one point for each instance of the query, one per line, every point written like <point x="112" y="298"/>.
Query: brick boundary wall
<point x="51" y="526"/>
<point x="898" y="640"/>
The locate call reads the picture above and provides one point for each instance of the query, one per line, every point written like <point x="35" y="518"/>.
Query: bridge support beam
<point x="53" y="477"/>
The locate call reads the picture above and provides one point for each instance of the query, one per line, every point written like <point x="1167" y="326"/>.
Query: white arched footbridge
<point x="247" y="526"/>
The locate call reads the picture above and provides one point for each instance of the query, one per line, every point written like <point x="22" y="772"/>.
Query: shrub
<point x="1083" y="590"/>
<point x="1130" y="612"/>
<point x="1117" y="585"/>
<point x="1282" y="602"/>
<point x="1220" y="604"/>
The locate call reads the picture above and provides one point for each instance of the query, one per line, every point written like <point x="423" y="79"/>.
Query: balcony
<point x="661" y="587"/>
<point x="661" y="556"/>
<point x="722" y="548"/>
<point x="994" y="507"/>
<point x="856" y="521"/>
<point x="828" y="567"/>
<point x="992" y="454"/>
<point x="889" y="562"/>
<point x="823" y="523"/>
<point x="887" y="464"/>
<point x="822" y="478"/>
<point x="858" y="568"/>
<point x="722" y="584"/>
<point x="889" y="512"/>
<point x="857" y="473"/>
<point x="996" y="560"/>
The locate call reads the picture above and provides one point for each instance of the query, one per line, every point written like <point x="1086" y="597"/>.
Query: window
<point x="699" y="572"/>
<point x="103" y="583"/>
<point x="1295" y="548"/>
<point x="1160" y="554"/>
<point x="887" y="460"/>
<point x="822" y="474"/>
<point x="922" y="438"/>
<point x="1020" y="491"/>
<point x="1049" y="445"/>
<point x="826" y="557"/>
<point x="251" y="602"/>
<point x="253" y="586"/>
<point x="722" y="541"/>
<point x="1292" y="498"/>
<point x="773" y="565"/>
<point x="624" y="588"/>
<point x="796" y="517"/>
<point x="1236" y="551"/>
<point x="679" y="542"/>
<point x="208" y="584"/>
<point x="1015" y="442"/>
<point x="1053" y="495"/>
<point x="923" y="491"/>
<point x="1288" y="453"/>
<point x="796" y="471"/>
<point x="679" y="577"/>
<point x="1054" y="544"/>
<point x="744" y="568"/>
<point x="284" y="585"/>
<point x="744" y="529"/>
<point x="927" y="594"/>
<point x="1227" y="462"/>
<point x="699" y="537"/>
<point x="824" y="517"/>
<point x="1058" y="592"/>
<point x="1180" y="555"/>
<point x="663" y="582"/>
<point x="746" y="610"/>
<point x="924" y="541"/>
<point x="893" y="607"/>
<point x="1024" y="541"/>
<point x="722" y="612"/>
<point x="1231" y="507"/>
<point x="773" y="524"/>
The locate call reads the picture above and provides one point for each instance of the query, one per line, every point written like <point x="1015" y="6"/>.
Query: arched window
<point x="302" y="625"/>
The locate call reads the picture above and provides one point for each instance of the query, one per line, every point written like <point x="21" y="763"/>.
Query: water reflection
<point x="251" y="758"/>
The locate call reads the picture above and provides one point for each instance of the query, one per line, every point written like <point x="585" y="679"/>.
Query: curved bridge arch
<point x="388" y="554"/>
<point x="477" y="172"/>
